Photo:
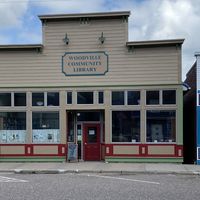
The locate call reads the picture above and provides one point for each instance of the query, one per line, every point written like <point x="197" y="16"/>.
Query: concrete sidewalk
<point x="99" y="167"/>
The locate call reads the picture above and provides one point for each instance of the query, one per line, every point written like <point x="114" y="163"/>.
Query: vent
<point x="198" y="153"/>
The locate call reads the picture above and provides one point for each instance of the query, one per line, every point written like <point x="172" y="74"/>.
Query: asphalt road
<point x="98" y="186"/>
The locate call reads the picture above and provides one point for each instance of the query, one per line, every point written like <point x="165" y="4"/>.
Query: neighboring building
<point x="192" y="114"/>
<point x="189" y="119"/>
<point x="86" y="84"/>
<point x="198" y="107"/>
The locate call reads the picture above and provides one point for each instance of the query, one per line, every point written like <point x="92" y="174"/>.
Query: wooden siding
<point x="158" y="65"/>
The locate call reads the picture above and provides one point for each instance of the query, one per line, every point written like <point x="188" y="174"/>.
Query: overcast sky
<point x="149" y="20"/>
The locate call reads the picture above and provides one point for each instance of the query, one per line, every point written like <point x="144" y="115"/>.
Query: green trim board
<point x="144" y="160"/>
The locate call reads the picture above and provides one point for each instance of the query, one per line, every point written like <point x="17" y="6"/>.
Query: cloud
<point x="11" y="13"/>
<point x="166" y="19"/>
<point x="72" y="6"/>
<point x="150" y="20"/>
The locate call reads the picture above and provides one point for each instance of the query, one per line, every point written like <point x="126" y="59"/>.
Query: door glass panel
<point x="92" y="135"/>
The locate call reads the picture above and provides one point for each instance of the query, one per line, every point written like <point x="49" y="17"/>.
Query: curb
<point x="79" y="171"/>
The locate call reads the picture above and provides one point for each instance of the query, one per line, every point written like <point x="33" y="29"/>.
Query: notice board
<point x="72" y="153"/>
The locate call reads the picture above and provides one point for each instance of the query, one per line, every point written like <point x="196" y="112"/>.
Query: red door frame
<point x="91" y="151"/>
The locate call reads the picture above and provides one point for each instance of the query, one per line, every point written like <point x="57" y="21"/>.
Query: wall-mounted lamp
<point x="66" y="39"/>
<point x="102" y="38"/>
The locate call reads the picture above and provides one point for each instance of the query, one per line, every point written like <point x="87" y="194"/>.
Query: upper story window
<point x="118" y="98"/>
<point x="20" y="99"/>
<point x="133" y="98"/>
<point x="169" y="96"/>
<point x="85" y="98"/>
<point x="152" y="97"/>
<point x="38" y="99"/>
<point x="69" y="97"/>
<point x="52" y="99"/>
<point x="45" y="99"/>
<point x="5" y="99"/>
<point x="100" y="97"/>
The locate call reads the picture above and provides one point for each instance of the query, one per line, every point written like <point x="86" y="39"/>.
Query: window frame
<point x="26" y="124"/>
<point x="45" y="99"/>
<point x="67" y="97"/>
<point x="11" y="99"/>
<point x="163" y="110"/>
<point x="98" y="98"/>
<point x="111" y="113"/>
<point x="174" y="104"/>
<point x="46" y="111"/>
<point x="19" y="92"/>
<point x="124" y="91"/>
<point x="93" y="99"/>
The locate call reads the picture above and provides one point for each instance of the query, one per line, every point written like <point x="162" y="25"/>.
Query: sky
<point x="149" y="20"/>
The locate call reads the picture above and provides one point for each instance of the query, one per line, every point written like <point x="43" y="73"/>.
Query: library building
<point x="88" y="94"/>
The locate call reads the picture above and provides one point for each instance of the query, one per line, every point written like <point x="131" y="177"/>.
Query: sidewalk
<point x="99" y="167"/>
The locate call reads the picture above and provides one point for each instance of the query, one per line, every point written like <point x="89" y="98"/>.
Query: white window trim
<point x="87" y="103"/>
<point x="111" y="127"/>
<point x="146" y="126"/>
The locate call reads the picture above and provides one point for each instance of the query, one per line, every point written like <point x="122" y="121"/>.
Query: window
<point x="161" y="126"/>
<point x="85" y="97"/>
<point x="45" y="127"/>
<point x="38" y="99"/>
<point x="52" y="99"/>
<point x="70" y="126"/>
<point x="88" y="116"/>
<point x="12" y="127"/>
<point x="169" y="96"/>
<point x="69" y="97"/>
<point x="5" y="99"/>
<point x="118" y="98"/>
<point x="19" y="99"/>
<point x="133" y="97"/>
<point x="101" y="97"/>
<point x="125" y="126"/>
<point x="152" y="97"/>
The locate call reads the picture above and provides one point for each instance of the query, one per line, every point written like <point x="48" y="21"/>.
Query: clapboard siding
<point x="155" y="65"/>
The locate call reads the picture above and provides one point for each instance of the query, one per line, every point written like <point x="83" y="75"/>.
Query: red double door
<point x="91" y="142"/>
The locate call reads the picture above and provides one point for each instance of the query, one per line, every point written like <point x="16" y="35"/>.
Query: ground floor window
<point x="12" y="127"/>
<point x="161" y="126"/>
<point x="45" y="127"/>
<point x="125" y="126"/>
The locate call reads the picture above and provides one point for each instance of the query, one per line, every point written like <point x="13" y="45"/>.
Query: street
<point x="98" y="186"/>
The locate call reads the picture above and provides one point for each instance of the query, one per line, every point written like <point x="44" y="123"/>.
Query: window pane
<point x="45" y="120"/>
<point x="169" y="97"/>
<point x="88" y="116"/>
<point x="133" y="97"/>
<point x="69" y="97"/>
<point x="37" y="99"/>
<point x="70" y="126"/>
<point x="161" y="126"/>
<point x="118" y="98"/>
<point x="85" y="97"/>
<point x="5" y="99"/>
<point x="46" y="127"/>
<point x="101" y="98"/>
<point x="52" y="99"/>
<point x="20" y="99"/>
<point x="12" y="127"/>
<point x="125" y="126"/>
<point x="152" y="97"/>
